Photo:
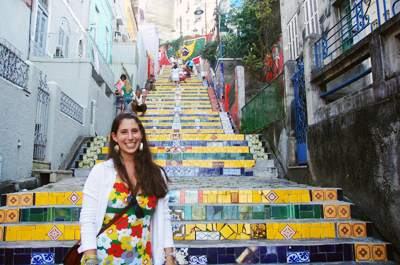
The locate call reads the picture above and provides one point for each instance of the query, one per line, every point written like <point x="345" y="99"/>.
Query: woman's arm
<point x="90" y="201"/>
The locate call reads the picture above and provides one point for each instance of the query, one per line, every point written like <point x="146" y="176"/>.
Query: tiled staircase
<point x="227" y="204"/>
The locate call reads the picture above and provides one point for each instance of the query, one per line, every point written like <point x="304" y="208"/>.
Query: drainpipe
<point x="1" y="162"/>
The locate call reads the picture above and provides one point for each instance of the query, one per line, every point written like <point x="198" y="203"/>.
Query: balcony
<point x="76" y="48"/>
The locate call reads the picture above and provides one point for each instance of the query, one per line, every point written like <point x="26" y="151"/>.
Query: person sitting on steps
<point x="138" y="103"/>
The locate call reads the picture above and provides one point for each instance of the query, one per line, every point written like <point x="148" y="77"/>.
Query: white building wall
<point x="17" y="119"/>
<point x="151" y="40"/>
<point x="14" y="24"/>
<point x="142" y="64"/>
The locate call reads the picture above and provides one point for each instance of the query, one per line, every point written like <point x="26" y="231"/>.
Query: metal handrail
<point x="360" y="20"/>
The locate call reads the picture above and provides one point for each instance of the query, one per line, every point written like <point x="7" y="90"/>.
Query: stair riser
<point x="195" y="213"/>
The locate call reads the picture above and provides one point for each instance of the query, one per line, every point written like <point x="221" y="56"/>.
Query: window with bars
<point x="292" y="32"/>
<point x="311" y="16"/>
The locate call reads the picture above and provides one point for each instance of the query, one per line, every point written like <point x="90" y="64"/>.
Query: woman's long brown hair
<point x="147" y="173"/>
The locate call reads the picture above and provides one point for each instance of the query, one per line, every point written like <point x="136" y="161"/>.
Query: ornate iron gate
<point x="301" y="112"/>
<point x="42" y="112"/>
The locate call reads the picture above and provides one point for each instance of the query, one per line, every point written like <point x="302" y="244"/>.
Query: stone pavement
<point x="227" y="204"/>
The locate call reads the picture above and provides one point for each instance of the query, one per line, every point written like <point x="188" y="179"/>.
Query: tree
<point x="258" y="29"/>
<point x="209" y="52"/>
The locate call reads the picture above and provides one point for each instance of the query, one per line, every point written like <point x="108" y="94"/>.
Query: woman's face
<point x="128" y="137"/>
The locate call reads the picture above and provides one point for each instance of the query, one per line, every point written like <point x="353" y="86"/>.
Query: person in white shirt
<point x="143" y="235"/>
<point x="175" y="72"/>
<point x="138" y="103"/>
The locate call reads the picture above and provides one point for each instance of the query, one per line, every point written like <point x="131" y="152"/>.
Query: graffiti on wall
<point x="275" y="61"/>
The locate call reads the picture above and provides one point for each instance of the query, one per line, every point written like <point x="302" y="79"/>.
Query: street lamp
<point x="198" y="11"/>
<point x="195" y="30"/>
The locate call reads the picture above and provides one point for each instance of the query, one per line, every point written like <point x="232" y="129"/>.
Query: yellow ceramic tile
<point x="11" y="235"/>
<point x="305" y="233"/>
<point x="245" y="236"/>
<point x="240" y="228"/>
<point x="226" y="198"/>
<point x="326" y="225"/>
<point x="212" y="198"/>
<point x="293" y="198"/>
<point x="61" y="198"/>
<point x="243" y="198"/>
<point x="305" y="198"/>
<point x="77" y="234"/>
<point x="219" y="226"/>
<point x="315" y="232"/>
<point x="330" y="232"/>
<point x="27" y="235"/>
<point x="191" y="236"/>
<point x="256" y="198"/>
<point x="226" y="232"/>
<point x="201" y="227"/>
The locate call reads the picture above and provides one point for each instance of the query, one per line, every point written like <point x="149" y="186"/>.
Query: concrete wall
<point x="142" y="62"/>
<point x="359" y="152"/>
<point x="75" y="79"/>
<point x="17" y="119"/>
<point x="151" y="40"/>
<point x="15" y="23"/>
<point x="60" y="126"/>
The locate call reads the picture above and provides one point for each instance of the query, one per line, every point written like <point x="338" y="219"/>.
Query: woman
<point x="126" y="94"/>
<point x="132" y="239"/>
<point x="188" y="70"/>
<point x="175" y="75"/>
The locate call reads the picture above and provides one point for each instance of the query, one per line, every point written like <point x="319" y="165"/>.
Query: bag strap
<point x="104" y="228"/>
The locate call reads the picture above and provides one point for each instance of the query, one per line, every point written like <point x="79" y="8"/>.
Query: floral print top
<point x="128" y="240"/>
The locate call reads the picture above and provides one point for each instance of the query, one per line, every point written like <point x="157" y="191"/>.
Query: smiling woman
<point x="128" y="177"/>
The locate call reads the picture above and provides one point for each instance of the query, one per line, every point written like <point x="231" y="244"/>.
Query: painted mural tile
<point x="27" y="199"/>
<point x="331" y="195"/>
<point x="359" y="230"/>
<point x="344" y="211"/>
<point x="199" y="213"/>
<point x="258" y="231"/>
<point x="13" y="200"/>
<point x="42" y="258"/>
<point x="330" y="211"/>
<point x="379" y="252"/>
<point x="2" y="215"/>
<point x="288" y="232"/>
<point x="318" y="195"/>
<point x="12" y="215"/>
<point x="174" y="196"/>
<point x="344" y="229"/>
<point x="363" y="252"/>
<point x="248" y="257"/>
<point x="298" y="257"/>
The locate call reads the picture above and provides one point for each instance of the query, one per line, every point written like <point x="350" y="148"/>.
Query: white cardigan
<point x="96" y="193"/>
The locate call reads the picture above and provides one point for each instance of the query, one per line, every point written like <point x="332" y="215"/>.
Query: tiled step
<point x="206" y="230"/>
<point x="351" y="252"/>
<point x="185" y="212"/>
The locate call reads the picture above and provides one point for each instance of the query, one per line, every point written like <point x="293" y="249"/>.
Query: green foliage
<point x="209" y="52"/>
<point x="258" y="29"/>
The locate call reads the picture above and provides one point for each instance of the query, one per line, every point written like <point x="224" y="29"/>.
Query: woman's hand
<point x="170" y="261"/>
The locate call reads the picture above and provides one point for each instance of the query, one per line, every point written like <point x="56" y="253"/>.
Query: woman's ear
<point x="114" y="137"/>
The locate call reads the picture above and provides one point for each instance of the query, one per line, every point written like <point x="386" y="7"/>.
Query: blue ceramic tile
<point x="22" y="259"/>
<point x="269" y="258"/>
<point x="42" y="258"/>
<point x="326" y="248"/>
<point x="334" y="257"/>
<point x="263" y="250"/>
<point x="339" y="248"/>
<point x="226" y="259"/>
<point x="188" y="213"/>
<point x="318" y="257"/>
<point x="230" y="250"/>
<point x="196" y="260"/>
<point x="313" y="249"/>
<point x="281" y="251"/>
<point x="347" y="252"/>
<point x="221" y="251"/>
<point x="9" y="256"/>
<point x="271" y="249"/>
<point x="197" y="251"/>
<point x="298" y="257"/>
<point x="235" y="213"/>
<point x="295" y="248"/>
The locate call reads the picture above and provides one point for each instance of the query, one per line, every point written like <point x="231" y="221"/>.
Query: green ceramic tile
<point x="258" y="216"/>
<point x="267" y="211"/>
<point x="306" y="215"/>
<point x="227" y="213"/>
<point x="36" y="218"/>
<point x="258" y="208"/>
<point x="235" y="213"/>
<point x="279" y="212"/>
<point x="296" y="211"/>
<point x="199" y="213"/>
<point x="77" y="211"/>
<point x="245" y="209"/>
<point x="317" y="211"/>
<point x="306" y="207"/>
<point x="63" y="214"/>
<point x="36" y="211"/>
<point x="244" y="216"/>
<point x="25" y="213"/>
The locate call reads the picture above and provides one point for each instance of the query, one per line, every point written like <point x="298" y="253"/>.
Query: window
<point x="96" y="24"/>
<point x="106" y="46"/>
<point x="62" y="49"/>
<point x="292" y="37"/>
<point x="311" y="16"/>
<point x="80" y="48"/>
